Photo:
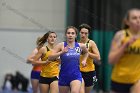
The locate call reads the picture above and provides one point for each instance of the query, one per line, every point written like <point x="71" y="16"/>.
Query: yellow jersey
<point x="127" y="70"/>
<point x="90" y="64"/>
<point x="50" y="69"/>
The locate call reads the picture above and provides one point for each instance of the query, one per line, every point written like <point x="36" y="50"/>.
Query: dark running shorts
<point x="35" y="75"/>
<point x="46" y="80"/>
<point x="88" y="78"/>
<point x="120" y="87"/>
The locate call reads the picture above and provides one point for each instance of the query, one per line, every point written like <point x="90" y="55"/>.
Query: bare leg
<point x="54" y="87"/>
<point x="64" y="89"/>
<point x="88" y="89"/>
<point x="75" y="86"/>
<point x="136" y="88"/>
<point x="82" y="89"/>
<point x="44" y="88"/>
<point x="35" y="85"/>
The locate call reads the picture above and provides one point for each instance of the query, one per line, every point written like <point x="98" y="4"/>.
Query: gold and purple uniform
<point x="35" y="73"/>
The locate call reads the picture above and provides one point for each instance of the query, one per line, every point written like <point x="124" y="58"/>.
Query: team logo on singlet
<point x="133" y="50"/>
<point x="78" y="50"/>
<point x="74" y="52"/>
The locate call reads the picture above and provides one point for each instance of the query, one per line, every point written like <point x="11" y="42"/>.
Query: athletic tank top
<point x="70" y="61"/>
<point x="127" y="70"/>
<point x="50" y="69"/>
<point x="36" y="67"/>
<point x="90" y="65"/>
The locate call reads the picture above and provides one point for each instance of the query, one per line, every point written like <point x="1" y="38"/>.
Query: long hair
<point x="37" y="41"/>
<point x="43" y="39"/>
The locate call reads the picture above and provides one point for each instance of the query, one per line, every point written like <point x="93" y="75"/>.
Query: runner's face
<point x="134" y="20"/>
<point x="52" y="38"/>
<point x="71" y="34"/>
<point x="84" y="33"/>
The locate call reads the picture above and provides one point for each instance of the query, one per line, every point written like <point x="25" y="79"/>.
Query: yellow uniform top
<point x="50" y="69"/>
<point x="127" y="70"/>
<point x="90" y="65"/>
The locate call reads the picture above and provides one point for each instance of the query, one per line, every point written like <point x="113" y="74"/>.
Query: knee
<point x="75" y="91"/>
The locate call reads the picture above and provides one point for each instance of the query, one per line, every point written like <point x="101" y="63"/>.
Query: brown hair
<point x="86" y="26"/>
<point x="75" y="29"/>
<point x="43" y="39"/>
<point x="126" y="17"/>
<point x="37" y="41"/>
